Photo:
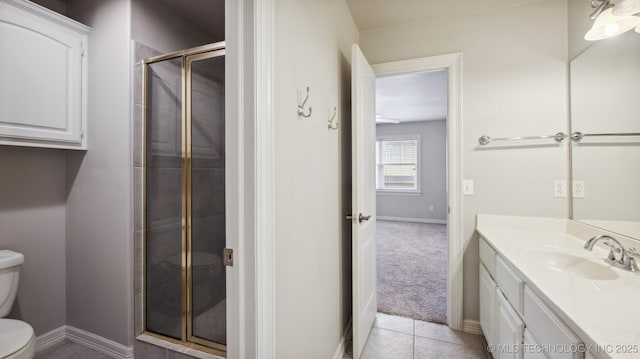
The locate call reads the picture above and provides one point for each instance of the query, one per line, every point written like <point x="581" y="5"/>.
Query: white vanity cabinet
<point x="529" y="346"/>
<point x="509" y="330"/>
<point x="487" y="305"/>
<point x="514" y="320"/>
<point x="43" y="77"/>
<point x="487" y="292"/>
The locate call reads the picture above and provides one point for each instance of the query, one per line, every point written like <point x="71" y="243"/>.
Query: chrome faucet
<point x="618" y="256"/>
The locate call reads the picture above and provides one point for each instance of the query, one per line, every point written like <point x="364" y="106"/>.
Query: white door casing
<point x="453" y="64"/>
<point x="363" y="91"/>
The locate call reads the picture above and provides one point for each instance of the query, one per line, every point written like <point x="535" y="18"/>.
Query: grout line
<point x="393" y="330"/>
<point x="413" y="347"/>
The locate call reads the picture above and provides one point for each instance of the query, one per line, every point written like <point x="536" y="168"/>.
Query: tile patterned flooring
<point x="69" y="350"/>
<point x="392" y="337"/>
<point x="395" y="337"/>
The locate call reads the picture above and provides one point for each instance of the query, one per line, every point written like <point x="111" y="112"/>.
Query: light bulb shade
<point x="627" y="8"/>
<point x="607" y="25"/>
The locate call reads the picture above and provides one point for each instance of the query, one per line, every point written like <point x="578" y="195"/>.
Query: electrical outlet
<point x="560" y="188"/>
<point x="467" y="187"/>
<point x="578" y="189"/>
<point x="430" y="207"/>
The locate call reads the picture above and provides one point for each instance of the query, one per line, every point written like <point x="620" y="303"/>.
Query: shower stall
<point x="184" y="198"/>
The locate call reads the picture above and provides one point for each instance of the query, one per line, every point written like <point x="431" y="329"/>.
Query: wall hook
<point x="333" y="126"/>
<point x="301" y="107"/>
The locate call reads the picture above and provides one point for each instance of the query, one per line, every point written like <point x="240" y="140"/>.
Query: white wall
<point x="312" y="48"/>
<point x="99" y="203"/>
<point x="579" y="24"/>
<point x="433" y="174"/>
<point x="32" y="222"/>
<point x="514" y="83"/>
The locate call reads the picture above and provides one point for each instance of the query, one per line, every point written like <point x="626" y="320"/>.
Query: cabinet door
<point x="487" y="305"/>
<point x="41" y="67"/>
<point x="509" y="330"/>
<point x="548" y="329"/>
<point x="531" y="348"/>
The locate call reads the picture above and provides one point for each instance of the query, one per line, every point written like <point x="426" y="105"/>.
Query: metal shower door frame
<point x="187" y="56"/>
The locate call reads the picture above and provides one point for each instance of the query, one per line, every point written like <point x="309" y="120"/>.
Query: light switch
<point x="467" y="187"/>
<point x="578" y="189"/>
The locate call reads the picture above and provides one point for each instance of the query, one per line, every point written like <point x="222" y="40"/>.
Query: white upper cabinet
<point x="43" y="77"/>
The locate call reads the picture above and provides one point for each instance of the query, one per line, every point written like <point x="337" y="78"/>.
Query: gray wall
<point x="433" y="174"/>
<point x="59" y="6"/>
<point x="99" y="203"/>
<point x="32" y="222"/>
<point x="514" y="84"/>
<point x="163" y="28"/>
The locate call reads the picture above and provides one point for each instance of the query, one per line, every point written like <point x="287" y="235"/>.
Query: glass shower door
<point x="185" y="201"/>
<point x="206" y="131"/>
<point x="164" y="198"/>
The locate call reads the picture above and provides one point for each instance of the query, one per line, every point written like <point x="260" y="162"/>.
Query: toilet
<point x="17" y="338"/>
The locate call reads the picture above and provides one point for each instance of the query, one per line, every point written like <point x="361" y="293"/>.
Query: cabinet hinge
<point x="82" y="133"/>
<point x="82" y="49"/>
<point x="227" y="255"/>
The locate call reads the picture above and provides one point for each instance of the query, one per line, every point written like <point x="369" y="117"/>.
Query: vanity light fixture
<point x="608" y="24"/>
<point x="627" y="8"/>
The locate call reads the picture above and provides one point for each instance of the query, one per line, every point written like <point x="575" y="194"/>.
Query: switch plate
<point x="467" y="187"/>
<point x="430" y="207"/>
<point x="560" y="189"/>
<point x="578" y="189"/>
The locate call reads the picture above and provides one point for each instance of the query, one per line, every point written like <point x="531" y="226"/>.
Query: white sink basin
<point x="572" y="263"/>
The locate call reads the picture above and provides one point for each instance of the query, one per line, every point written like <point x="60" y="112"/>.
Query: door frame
<point x="453" y="64"/>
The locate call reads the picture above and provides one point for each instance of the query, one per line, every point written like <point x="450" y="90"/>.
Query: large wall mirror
<point x="605" y="109"/>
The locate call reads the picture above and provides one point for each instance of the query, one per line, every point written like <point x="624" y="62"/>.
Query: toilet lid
<point x="14" y="335"/>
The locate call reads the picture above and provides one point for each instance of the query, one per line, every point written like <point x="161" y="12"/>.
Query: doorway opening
<point x="363" y="186"/>
<point x="411" y="195"/>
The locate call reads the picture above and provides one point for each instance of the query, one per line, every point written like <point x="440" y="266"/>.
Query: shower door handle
<point x="227" y="257"/>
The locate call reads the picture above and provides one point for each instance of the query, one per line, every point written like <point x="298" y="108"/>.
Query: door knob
<point x="361" y="218"/>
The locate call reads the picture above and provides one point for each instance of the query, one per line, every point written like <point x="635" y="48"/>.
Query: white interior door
<point x="363" y="92"/>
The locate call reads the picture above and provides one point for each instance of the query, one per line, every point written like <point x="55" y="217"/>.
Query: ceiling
<point x="372" y="14"/>
<point x="412" y="97"/>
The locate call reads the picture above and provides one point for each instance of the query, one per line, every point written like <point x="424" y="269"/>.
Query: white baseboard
<point x="103" y="345"/>
<point x="99" y="344"/>
<point x="472" y="326"/>
<point x="416" y="220"/>
<point x="342" y="344"/>
<point x="51" y="338"/>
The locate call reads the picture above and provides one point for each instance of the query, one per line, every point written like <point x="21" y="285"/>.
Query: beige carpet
<point x="412" y="270"/>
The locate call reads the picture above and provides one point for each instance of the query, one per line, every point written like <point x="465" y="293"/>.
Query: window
<point x="397" y="164"/>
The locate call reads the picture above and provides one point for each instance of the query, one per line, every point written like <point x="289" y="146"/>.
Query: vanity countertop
<point x="599" y="302"/>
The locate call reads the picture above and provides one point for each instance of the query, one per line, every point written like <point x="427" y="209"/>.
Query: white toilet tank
<point x="10" y="262"/>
